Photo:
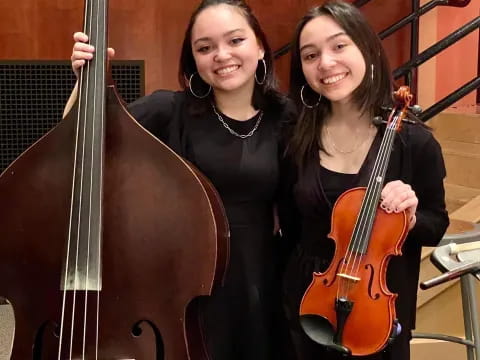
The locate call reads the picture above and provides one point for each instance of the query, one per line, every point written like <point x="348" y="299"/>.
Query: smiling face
<point x="332" y="63"/>
<point x="225" y="48"/>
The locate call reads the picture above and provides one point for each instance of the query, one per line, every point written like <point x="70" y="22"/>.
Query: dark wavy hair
<point x="370" y="96"/>
<point x="264" y="95"/>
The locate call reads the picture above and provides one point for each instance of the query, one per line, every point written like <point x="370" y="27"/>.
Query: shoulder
<point x="157" y="109"/>
<point x="158" y="101"/>
<point x="419" y="137"/>
<point x="282" y="112"/>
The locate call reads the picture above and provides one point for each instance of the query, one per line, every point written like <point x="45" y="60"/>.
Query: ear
<point x="261" y="53"/>
<point x="261" y="50"/>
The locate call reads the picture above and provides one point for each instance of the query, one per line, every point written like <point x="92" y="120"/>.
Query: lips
<point x="331" y="80"/>
<point x="227" y="70"/>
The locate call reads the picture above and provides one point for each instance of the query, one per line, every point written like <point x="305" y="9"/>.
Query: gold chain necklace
<point x="345" y="152"/>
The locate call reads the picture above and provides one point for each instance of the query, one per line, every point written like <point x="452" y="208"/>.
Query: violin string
<point x="371" y="205"/>
<point x="362" y="223"/>
<point x="344" y="286"/>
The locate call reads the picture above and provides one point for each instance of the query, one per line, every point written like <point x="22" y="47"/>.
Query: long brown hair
<point x="265" y="94"/>
<point x="369" y="96"/>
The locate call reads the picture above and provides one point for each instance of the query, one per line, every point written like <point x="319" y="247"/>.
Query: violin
<point x="110" y="241"/>
<point x="348" y="307"/>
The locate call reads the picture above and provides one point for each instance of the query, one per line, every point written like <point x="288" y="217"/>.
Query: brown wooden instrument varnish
<point x="153" y="224"/>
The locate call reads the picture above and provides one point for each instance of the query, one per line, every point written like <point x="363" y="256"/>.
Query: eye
<point x="309" y="56"/>
<point x="340" y="46"/>
<point x="203" y="49"/>
<point x="237" y="40"/>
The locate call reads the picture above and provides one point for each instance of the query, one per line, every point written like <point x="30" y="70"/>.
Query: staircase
<point x="439" y="310"/>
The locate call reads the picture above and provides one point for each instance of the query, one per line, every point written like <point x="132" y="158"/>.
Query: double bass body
<point x="106" y="253"/>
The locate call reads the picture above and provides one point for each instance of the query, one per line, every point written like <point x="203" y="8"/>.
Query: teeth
<point x="227" y="70"/>
<point x="333" y="79"/>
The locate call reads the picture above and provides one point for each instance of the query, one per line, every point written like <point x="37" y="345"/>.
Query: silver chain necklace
<point x="233" y="132"/>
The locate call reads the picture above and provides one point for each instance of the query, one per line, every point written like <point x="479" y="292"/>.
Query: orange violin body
<point x="349" y="308"/>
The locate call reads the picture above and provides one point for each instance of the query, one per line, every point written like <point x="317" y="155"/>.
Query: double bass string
<point x="99" y="73"/>
<point x="100" y="64"/>
<point x="89" y="8"/>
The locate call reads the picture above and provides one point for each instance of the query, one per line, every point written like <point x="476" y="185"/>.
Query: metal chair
<point x="466" y="265"/>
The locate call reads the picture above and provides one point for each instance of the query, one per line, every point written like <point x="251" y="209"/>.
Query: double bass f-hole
<point x="352" y="294"/>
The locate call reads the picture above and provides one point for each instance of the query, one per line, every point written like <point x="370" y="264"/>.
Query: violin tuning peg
<point x="416" y="109"/>
<point x="378" y="120"/>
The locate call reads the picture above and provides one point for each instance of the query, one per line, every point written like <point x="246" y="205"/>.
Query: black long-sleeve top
<point x="306" y="206"/>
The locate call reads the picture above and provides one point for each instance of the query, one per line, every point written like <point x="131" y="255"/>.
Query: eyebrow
<point x="228" y="33"/>
<point x="330" y="38"/>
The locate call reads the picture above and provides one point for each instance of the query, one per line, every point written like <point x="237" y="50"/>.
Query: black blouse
<point x="305" y="211"/>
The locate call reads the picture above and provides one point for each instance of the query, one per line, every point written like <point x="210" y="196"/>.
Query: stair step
<point x="422" y="349"/>
<point x="457" y="195"/>
<point x="456" y="127"/>
<point x="462" y="160"/>
<point x="469" y="212"/>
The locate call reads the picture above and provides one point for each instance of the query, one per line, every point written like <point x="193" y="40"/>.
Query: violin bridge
<point x="349" y="277"/>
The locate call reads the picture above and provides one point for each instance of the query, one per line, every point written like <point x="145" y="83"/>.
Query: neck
<point x="348" y="114"/>
<point x="236" y="104"/>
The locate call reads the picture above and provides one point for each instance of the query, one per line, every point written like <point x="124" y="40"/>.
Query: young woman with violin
<point x="340" y="82"/>
<point x="227" y="122"/>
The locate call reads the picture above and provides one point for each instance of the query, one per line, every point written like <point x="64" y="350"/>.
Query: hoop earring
<point x="303" y="100"/>
<point x="193" y="92"/>
<point x="264" y="73"/>
<point x="372" y="68"/>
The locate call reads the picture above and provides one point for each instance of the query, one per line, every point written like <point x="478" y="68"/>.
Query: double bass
<point x="109" y="240"/>
<point x="349" y="308"/>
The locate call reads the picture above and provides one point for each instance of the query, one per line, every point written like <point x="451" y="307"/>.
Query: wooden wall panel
<point x="153" y="30"/>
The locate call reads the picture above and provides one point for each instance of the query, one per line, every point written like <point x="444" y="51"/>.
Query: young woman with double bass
<point x="227" y="121"/>
<point x="340" y="81"/>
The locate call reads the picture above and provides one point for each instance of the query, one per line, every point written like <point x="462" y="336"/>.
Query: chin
<point x="231" y="85"/>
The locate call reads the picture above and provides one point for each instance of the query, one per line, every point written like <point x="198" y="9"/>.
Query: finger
<point x="391" y="186"/>
<point x="77" y="64"/>
<point x="80" y="55"/>
<point x="111" y="53"/>
<point x="412" y="222"/>
<point x="395" y="192"/>
<point x="410" y="204"/>
<point x="80" y="36"/>
<point x="79" y="46"/>
<point x="400" y="198"/>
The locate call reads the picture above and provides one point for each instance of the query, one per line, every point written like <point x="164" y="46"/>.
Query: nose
<point x="222" y="54"/>
<point x="327" y="61"/>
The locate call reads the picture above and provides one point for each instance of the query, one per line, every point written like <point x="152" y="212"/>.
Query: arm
<point x="288" y="213"/>
<point x="428" y="175"/>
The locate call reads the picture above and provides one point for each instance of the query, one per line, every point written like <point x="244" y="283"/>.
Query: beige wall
<point x="457" y="64"/>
